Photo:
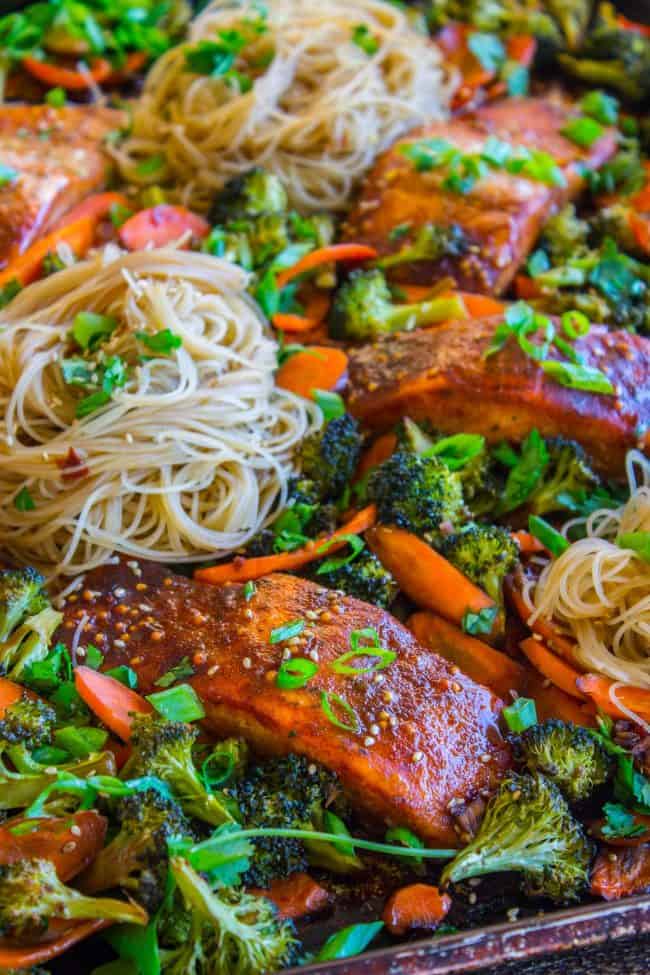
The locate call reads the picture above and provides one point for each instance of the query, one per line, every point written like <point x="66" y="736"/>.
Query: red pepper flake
<point x="72" y="466"/>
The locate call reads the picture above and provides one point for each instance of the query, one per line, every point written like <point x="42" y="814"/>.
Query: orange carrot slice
<point x="62" y="936"/>
<point x="554" y="668"/>
<point x="379" y="451"/>
<point x="551" y="702"/>
<point x="326" y="255"/>
<point x="555" y="640"/>
<point x="636" y="699"/>
<point x="70" y="842"/>
<point x="56" y="77"/>
<point x="96" y="206"/>
<point x="416" y="907"/>
<point x="293" y="323"/>
<point x="27" y="267"/>
<point x="9" y="694"/>
<point x="161" y="225"/>
<point x="295" y="896"/>
<point x="243" y="570"/>
<point x="528" y="544"/>
<point x="112" y="702"/>
<point x="317" y="367"/>
<point x="425" y="576"/>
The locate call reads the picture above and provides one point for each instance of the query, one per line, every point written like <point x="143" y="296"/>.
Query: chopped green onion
<point x="456" y="451"/>
<point x="56" y="97"/>
<point x="182" y="669"/>
<point x="125" y="675"/>
<point x="516" y="77"/>
<point x="8" y="175"/>
<point x="9" y="292"/>
<point x="638" y="542"/>
<point x="328" y="701"/>
<point x="487" y="49"/>
<point x="367" y="633"/>
<point x="119" y="214"/>
<point x="286" y="631"/>
<point x="481" y="622"/>
<point x="575" y="324"/>
<point x="602" y="107"/>
<point x="401" y="230"/>
<point x="404" y="836"/>
<point x="349" y="941"/>
<point x="163" y="341"/>
<point x="578" y="377"/>
<point x="80" y="742"/>
<point x="382" y="659"/>
<point x="362" y="37"/>
<point x="179" y="703"/>
<point x="149" y="166"/>
<point x="537" y="263"/>
<point x="94" y="657"/>
<point x="520" y="715"/>
<point x="584" y="131"/>
<point x="89" y="404"/>
<point x="331" y="404"/>
<point x="334" y="824"/>
<point x="89" y="328"/>
<point x="249" y="590"/>
<point x="552" y="539"/>
<point x="356" y="544"/>
<point x="24" y="501"/>
<point x="295" y="673"/>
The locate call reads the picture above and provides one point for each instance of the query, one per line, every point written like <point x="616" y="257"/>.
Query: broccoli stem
<point x="430" y="312"/>
<point x="602" y="73"/>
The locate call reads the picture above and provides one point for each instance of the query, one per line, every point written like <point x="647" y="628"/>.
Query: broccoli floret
<point x="164" y="749"/>
<point x="612" y="56"/>
<point x="249" y="195"/>
<point x="231" y="245"/>
<point x="567" y="473"/>
<point x="289" y="793"/>
<point x="230" y="932"/>
<point x="417" y="493"/>
<point x="136" y="859"/>
<point x="503" y="17"/>
<point x="21" y="788"/>
<point x="363" y="310"/>
<point x="528" y="828"/>
<point x="565" y="235"/>
<point x="364" y="578"/>
<point x="21" y="595"/>
<point x="432" y="243"/>
<point x="329" y="457"/>
<point x="28" y="722"/>
<point x="568" y="755"/>
<point x="32" y="896"/>
<point x="483" y="553"/>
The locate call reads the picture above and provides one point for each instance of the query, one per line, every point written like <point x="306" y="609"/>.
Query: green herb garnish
<point x="520" y="715"/>
<point x="179" y="703"/>
<point x="550" y="537"/>
<point x="295" y="673"/>
<point x="286" y="631"/>
<point x="181" y="670"/>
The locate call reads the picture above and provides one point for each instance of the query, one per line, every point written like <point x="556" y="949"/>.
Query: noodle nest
<point x="190" y="457"/>
<point x="599" y="592"/>
<point x="319" y="110"/>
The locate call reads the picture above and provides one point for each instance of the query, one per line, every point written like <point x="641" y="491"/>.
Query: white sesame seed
<point x="392" y="721"/>
<point x="311" y="614"/>
<point x="212" y="670"/>
<point x="368" y="741"/>
<point x="472" y="898"/>
<point x="378" y="679"/>
<point x="51" y="770"/>
<point x="417" y="757"/>
<point x="247" y="663"/>
<point x="485" y="758"/>
<point x="119" y="592"/>
<point x="128" y="437"/>
<point x="312" y="769"/>
<point x="69" y="847"/>
<point x="387" y="696"/>
<point x="75" y="830"/>
<point x="286" y="654"/>
<point x="119" y="643"/>
<point x="313" y="655"/>
<point x="375" y="729"/>
<point x="512" y="914"/>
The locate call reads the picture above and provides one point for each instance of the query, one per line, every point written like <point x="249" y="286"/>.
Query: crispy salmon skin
<point x="418" y="734"/>
<point x="56" y="158"/>
<point x="442" y="375"/>
<point x="501" y="215"/>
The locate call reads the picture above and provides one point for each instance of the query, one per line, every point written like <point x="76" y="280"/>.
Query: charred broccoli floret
<point x="249" y="195"/>
<point x="568" y="755"/>
<point x="565" y="235"/>
<point x="136" y="859"/>
<point x="566" y="476"/>
<point x="363" y="309"/>
<point x="29" y="722"/>
<point x="483" y="553"/>
<point x="21" y="595"/>
<point x="164" y="749"/>
<point x="27" y="621"/>
<point x="554" y="24"/>
<point x="364" y="578"/>
<point x="32" y="896"/>
<point x="612" y="56"/>
<point x="417" y="493"/>
<point x="528" y="828"/>
<point x="229" y="932"/>
<point x="289" y="793"/>
<point x="432" y="243"/>
<point x="328" y="458"/>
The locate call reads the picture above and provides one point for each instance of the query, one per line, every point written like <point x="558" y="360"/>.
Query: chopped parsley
<point x="23" y="500"/>
<point x="362" y="37"/>
<point x="181" y="670"/>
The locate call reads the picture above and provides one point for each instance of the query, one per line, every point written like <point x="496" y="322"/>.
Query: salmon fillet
<point x="425" y="733"/>
<point x="440" y="374"/>
<point x="57" y="156"/>
<point x="501" y="215"/>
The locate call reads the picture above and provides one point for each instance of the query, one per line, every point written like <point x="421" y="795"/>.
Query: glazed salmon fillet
<point x="57" y="158"/>
<point x="420" y="733"/>
<point x="441" y="375"/>
<point x="500" y="216"/>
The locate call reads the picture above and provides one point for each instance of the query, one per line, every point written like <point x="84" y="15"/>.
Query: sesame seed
<point x="122" y="609"/>
<point x="212" y="670"/>
<point x="119" y="593"/>
<point x="51" y="770"/>
<point x="387" y="696"/>
<point x="326" y="616"/>
<point x="69" y="847"/>
<point x="378" y="679"/>
<point x="134" y="661"/>
<point x="248" y="613"/>
<point x="119" y="643"/>
<point x="72" y="598"/>
<point x="485" y="758"/>
<point x="312" y="769"/>
<point x="88" y="595"/>
<point x="384" y="715"/>
<point x="141" y="586"/>
<point x="512" y="914"/>
<point x="294" y="641"/>
<point x="75" y="830"/>
<point x="472" y="898"/>
<point x="167" y="581"/>
<point x="145" y="608"/>
<point x="100" y="637"/>
<point x="247" y="663"/>
<point x="374" y="729"/>
<point x="417" y="757"/>
<point x="135" y="568"/>
<point x="157" y="636"/>
<point x="286" y="654"/>
<point x="313" y="655"/>
<point x="311" y="614"/>
<point x="128" y="437"/>
<point x="456" y="687"/>
<point x="368" y="741"/>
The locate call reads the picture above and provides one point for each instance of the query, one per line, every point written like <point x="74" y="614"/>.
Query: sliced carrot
<point x="554" y="668"/>
<point x="326" y="255"/>
<point x="640" y="227"/>
<point x="96" y="206"/>
<point x="161" y="225"/>
<point x="69" y="842"/>
<point x="555" y="640"/>
<point x="551" y="702"/>
<point x="416" y="907"/>
<point x="636" y="699"/>
<point x="27" y="267"/>
<point x="61" y="937"/>
<point x="633" y="25"/>
<point x="621" y="873"/>
<point x="132" y="63"/>
<point x="243" y="570"/>
<point x="56" y="77"/>
<point x="480" y="306"/>
<point x="482" y="663"/>
<point x="112" y="702"/>
<point x="9" y="694"/>
<point x="293" y="323"/>
<point x="295" y="896"/>
<point x="528" y="544"/>
<point x="317" y="367"/>
<point x="525" y="287"/>
<point x="378" y="451"/>
<point x="425" y="576"/>
<point x="522" y="48"/>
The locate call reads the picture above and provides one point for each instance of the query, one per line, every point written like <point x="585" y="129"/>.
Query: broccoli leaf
<point x="524" y="477"/>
